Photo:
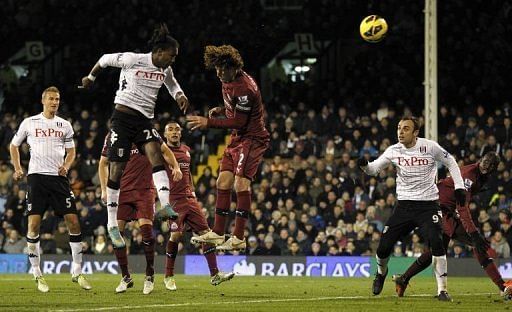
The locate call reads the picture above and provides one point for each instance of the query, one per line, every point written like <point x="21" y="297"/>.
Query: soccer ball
<point x="373" y="28"/>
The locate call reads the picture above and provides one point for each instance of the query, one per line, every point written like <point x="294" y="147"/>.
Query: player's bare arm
<point x="173" y="163"/>
<point x="182" y="101"/>
<point x="68" y="161"/>
<point x="15" y="160"/>
<point x="88" y="80"/>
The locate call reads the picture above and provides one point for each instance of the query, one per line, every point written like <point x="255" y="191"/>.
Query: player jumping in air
<point x="136" y="202"/>
<point x="140" y="79"/>
<point x="244" y="112"/>
<point x="189" y="212"/>
<point x="458" y="225"/>
<point x="52" y="151"/>
<point x="415" y="159"/>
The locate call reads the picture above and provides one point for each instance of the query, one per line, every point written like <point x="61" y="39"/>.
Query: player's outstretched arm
<point x="171" y="160"/>
<point x="199" y="122"/>
<point x="374" y="167"/>
<point x="88" y="80"/>
<point x="120" y="60"/>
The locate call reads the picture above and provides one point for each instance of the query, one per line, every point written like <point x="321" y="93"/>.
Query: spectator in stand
<point x="268" y="248"/>
<point x="14" y="244"/>
<point x="61" y="238"/>
<point x="500" y="245"/>
<point x="491" y="145"/>
<point x="100" y="245"/>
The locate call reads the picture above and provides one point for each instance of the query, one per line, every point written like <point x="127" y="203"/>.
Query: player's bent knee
<point x="242" y="184"/>
<point x="225" y="180"/>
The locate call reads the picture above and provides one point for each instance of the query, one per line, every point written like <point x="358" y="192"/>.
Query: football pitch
<point x="243" y="293"/>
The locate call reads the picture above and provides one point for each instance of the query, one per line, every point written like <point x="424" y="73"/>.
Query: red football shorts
<point x="136" y="204"/>
<point x="243" y="156"/>
<point x="189" y="213"/>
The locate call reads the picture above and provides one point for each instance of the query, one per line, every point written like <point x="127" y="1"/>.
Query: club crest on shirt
<point x="468" y="183"/>
<point x="120" y="152"/>
<point x="423" y="149"/>
<point x="59" y="124"/>
<point x="187" y="153"/>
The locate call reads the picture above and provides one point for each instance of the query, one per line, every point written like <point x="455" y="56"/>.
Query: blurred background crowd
<point x="309" y="197"/>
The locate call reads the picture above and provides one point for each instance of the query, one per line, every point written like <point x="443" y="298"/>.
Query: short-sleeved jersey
<point x="243" y="96"/>
<point x="48" y="140"/>
<point x="473" y="182"/>
<point x="138" y="173"/>
<point x="417" y="169"/>
<point x="183" y="187"/>
<point x="140" y="80"/>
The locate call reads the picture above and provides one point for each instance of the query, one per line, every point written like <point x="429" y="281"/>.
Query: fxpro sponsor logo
<point x="285" y="266"/>
<point x="88" y="267"/>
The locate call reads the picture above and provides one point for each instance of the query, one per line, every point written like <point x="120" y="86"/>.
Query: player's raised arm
<point x="120" y="60"/>
<point x="374" y="167"/>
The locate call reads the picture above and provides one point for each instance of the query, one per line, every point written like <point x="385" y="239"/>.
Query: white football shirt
<point x="48" y="140"/>
<point x="140" y="81"/>
<point x="417" y="169"/>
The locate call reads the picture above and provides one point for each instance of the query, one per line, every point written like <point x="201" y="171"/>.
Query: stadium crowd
<point x="309" y="197"/>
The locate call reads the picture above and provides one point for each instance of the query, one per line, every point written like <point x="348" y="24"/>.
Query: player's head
<point x="489" y="163"/>
<point x="173" y="132"/>
<point x="164" y="48"/>
<point x="408" y="130"/>
<point x="51" y="100"/>
<point x="226" y="61"/>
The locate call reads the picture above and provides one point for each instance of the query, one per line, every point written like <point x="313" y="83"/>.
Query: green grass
<point x="19" y="293"/>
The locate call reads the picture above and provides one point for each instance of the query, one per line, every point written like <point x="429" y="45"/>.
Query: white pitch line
<point x="250" y="301"/>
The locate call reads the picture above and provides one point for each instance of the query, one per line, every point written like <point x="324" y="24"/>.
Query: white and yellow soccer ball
<point x="373" y="28"/>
